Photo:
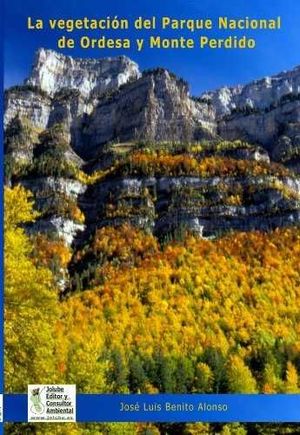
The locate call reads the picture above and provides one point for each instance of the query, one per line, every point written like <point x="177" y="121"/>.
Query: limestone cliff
<point x="100" y="143"/>
<point x="53" y="72"/>
<point x="266" y="111"/>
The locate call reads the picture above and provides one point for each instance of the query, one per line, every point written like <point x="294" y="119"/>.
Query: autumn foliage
<point x="162" y="164"/>
<point x="187" y="316"/>
<point x="226" y="310"/>
<point x="31" y="305"/>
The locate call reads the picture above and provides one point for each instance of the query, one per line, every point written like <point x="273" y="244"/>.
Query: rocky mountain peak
<point x="150" y="154"/>
<point x="257" y="95"/>
<point x="53" y="72"/>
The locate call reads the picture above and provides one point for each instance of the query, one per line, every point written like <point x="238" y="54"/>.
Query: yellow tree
<point x="291" y="383"/>
<point x="240" y="379"/>
<point x="31" y="306"/>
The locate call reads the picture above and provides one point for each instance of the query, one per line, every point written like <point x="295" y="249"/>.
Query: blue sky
<point x="203" y="69"/>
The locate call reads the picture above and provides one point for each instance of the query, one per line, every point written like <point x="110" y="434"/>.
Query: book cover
<point x="151" y="238"/>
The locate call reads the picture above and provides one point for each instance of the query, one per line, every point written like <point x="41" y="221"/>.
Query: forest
<point x="181" y="315"/>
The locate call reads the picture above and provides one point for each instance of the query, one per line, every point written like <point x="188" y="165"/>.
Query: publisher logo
<point x="48" y="403"/>
<point x="37" y="406"/>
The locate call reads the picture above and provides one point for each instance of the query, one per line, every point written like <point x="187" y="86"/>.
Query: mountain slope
<point x="101" y="144"/>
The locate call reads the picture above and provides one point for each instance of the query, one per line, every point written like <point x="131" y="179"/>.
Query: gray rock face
<point x="260" y="111"/>
<point x="207" y="206"/>
<point x="27" y="104"/>
<point x="66" y="229"/>
<point x="97" y="102"/>
<point x="50" y="192"/>
<point x="72" y="188"/>
<point x="156" y="107"/>
<point x="107" y="100"/>
<point x="259" y="94"/>
<point x="61" y="89"/>
<point x="103" y="100"/>
<point x="262" y="127"/>
<point x="53" y="72"/>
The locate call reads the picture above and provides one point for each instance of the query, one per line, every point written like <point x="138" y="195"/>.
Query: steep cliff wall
<point x="156" y="107"/>
<point x="266" y="111"/>
<point x="53" y="72"/>
<point x="99" y="143"/>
